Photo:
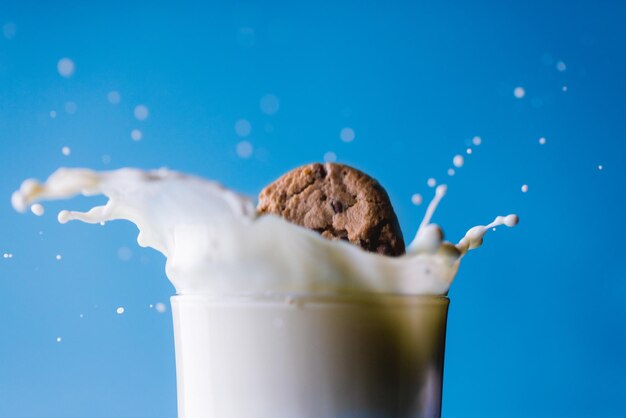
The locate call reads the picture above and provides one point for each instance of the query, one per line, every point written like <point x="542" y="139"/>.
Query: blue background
<point x="536" y="326"/>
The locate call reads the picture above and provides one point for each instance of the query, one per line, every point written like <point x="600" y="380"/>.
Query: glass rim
<point x="314" y="298"/>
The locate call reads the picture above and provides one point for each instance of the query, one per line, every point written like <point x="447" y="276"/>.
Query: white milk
<point x="310" y="356"/>
<point x="215" y="244"/>
<point x="270" y="319"/>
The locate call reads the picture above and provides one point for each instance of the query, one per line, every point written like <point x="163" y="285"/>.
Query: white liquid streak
<point x="440" y="192"/>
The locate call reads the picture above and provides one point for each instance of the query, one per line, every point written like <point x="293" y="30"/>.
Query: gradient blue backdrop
<point x="536" y="326"/>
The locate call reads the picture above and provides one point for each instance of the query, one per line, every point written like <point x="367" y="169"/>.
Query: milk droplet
<point x="542" y="140"/>
<point x="330" y="157"/>
<point x="524" y="188"/>
<point x="136" y="135"/>
<point x="244" y="149"/>
<point x="511" y="220"/>
<point x="53" y="114"/>
<point x="81" y="316"/>
<point x="347" y="134"/>
<point x="600" y="167"/>
<point x="451" y="172"/>
<point x="417" y="199"/>
<point x="458" y="160"/>
<point x="9" y="30"/>
<point x="70" y="108"/>
<point x="141" y="112"/>
<point x="477" y="140"/>
<point x="66" y="67"/>
<point x="243" y="128"/>
<point x="66" y="151"/>
<point x="564" y="88"/>
<point x="58" y="339"/>
<point x="160" y="307"/>
<point x="120" y="310"/>
<point x="37" y="209"/>
<point x="269" y="104"/>
<point x="519" y="92"/>
<point x="114" y="97"/>
<point x="431" y="182"/>
<point x="124" y="253"/>
<point x="560" y="66"/>
<point x="58" y="256"/>
<point x="469" y="151"/>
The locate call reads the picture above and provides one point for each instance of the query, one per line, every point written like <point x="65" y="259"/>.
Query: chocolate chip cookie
<point x="339" y="202"/>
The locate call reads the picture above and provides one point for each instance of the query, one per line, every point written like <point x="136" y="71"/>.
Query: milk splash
<point x="215" y="243"/>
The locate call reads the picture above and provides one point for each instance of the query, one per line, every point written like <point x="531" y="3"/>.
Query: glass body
<point x="344" y="356"/>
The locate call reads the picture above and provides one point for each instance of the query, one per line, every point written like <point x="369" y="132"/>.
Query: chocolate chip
<point x="320" y="171"/>
<point x="337" y="206"/>
<point x="383" y="249"/>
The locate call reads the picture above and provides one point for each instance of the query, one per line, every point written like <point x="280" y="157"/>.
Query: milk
<point x="270" y="319"/>
<point x="215" y="243"/>
<point x="309" y="356"/>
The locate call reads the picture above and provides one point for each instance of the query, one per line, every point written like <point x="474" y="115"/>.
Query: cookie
<point x="339" y="202"/>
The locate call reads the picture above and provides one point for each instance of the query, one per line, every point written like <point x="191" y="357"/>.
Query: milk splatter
<point x="216" y="244"/>
<point x="474" y="237"/>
